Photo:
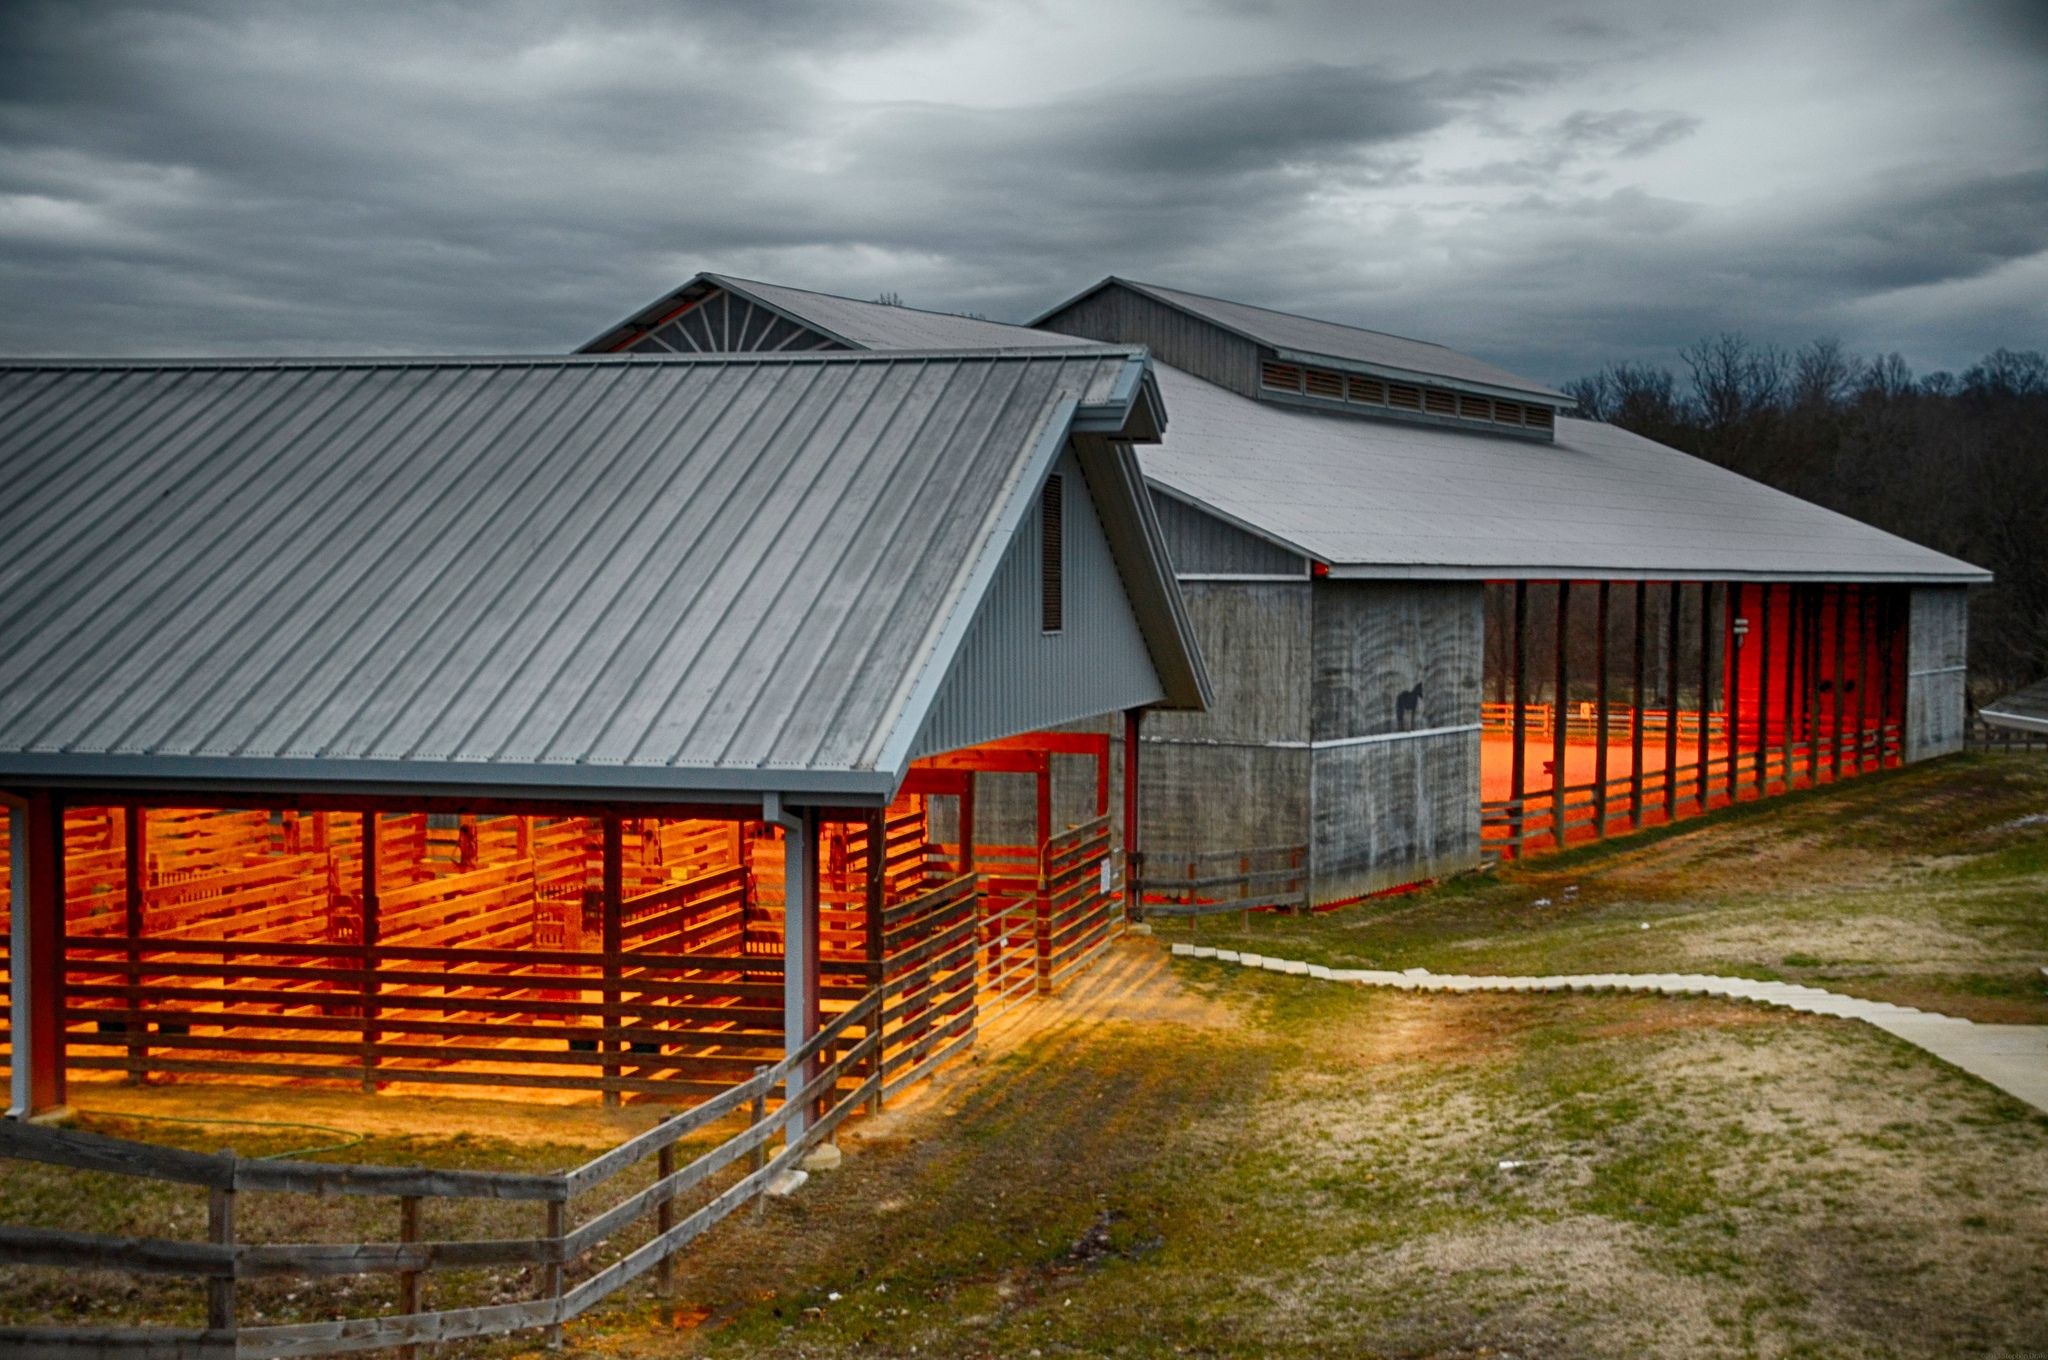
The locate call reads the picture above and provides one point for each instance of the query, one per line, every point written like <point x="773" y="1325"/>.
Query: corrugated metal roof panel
<point x="656" y="573"/>
<point x="1307" y="336"/>
<point x="1388" y="500"/>
<point x="2023" y="710"/>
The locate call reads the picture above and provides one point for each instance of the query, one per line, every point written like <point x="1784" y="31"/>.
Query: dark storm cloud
<point x="203" y="178"/>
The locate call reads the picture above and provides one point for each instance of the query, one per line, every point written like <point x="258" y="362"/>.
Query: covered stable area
<point x="562" y="729"/>
<point x="1614" y="705"/>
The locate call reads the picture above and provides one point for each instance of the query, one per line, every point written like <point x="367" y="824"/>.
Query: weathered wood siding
<point x="1237" y="776"/>
<point x="1119" y="316"/>
<point x="1201" y="544"/>
<point x="1398" y="672"/>
<point x="1937" y="671"/>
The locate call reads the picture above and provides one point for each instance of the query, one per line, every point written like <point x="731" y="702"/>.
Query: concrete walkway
<point x="2014" y="1058"/>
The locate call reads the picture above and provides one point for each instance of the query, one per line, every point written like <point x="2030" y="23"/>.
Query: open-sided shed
<point x="549" y="722"/>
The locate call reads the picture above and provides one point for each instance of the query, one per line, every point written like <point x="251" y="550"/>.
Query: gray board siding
<point x="1937" y="675"/>
<point x="1236" y="777"/>
<point x="1295" y="335"/>
<point x="1010" y="676"/>
<point x="1202" y="545"/>
<point x="1399" y="672"/>
<point x="1120" y="315"/>
<point x="1379" y="499"/>
<point x="668" y="575"/>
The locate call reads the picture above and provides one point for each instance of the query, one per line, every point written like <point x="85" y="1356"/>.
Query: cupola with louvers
<point x="1429" y="403"/>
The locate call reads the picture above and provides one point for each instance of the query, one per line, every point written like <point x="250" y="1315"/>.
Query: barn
<point x="570" y="727"/>
<point x="1445" y="621"/>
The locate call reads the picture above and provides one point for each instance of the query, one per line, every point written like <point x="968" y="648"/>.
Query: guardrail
<point x="841" y="1068"/>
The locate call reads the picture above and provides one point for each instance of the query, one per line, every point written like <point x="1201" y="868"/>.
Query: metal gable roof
<point x="1307" y="339"/>
<point x="673" y="577"/>
<point x="2023" y="710"/>
<point x="1377" y="499"/>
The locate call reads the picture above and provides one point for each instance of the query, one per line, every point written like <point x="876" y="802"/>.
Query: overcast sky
<point x="1551" y="187"/>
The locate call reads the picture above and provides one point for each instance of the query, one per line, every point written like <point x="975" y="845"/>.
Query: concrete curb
<point x="2014" y="1058"/>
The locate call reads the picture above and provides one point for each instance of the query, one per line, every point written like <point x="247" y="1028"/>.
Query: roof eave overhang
<point x="449" y="781"/>
<point x="2017" y="722"/>
<point x="1439" y="571"/>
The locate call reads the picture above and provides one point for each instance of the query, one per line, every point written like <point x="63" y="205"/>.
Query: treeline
<point x="1958" y="462"/>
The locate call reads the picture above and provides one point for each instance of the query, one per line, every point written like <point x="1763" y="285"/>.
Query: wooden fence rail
<point x="845" y="1069"/>
<point x="1211" y="882"/>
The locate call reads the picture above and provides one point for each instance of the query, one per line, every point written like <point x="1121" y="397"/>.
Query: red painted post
<point x="1862" y="674"/>
<point x="368" y="930"/>
<point x="1671" y="706"/>
<point x="1731" y="670"/>
<point x="1703" y="757"/>
<point x="613" y="908"/>
<point x="1635" y="720"/>
<point x="37" y="828"/>
<point x="1841" y="674"/>
<point x="1044" y="831"/>
<point x="1559" y="720"/>
<point x="1763" y="691"/>
<point x="1600" y="718"/>
<point x="1134" y="855"/>
<point x="1518" y="761"/>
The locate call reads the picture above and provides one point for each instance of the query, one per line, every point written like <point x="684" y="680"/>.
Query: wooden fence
<point x="841" y="1069"/>
<point x="1545" y="819"/>
<point x="1077" y="912"/>
<point x="1223" y="880"/>
<point x="1984" y="736"/>
<point x="1582" y="721"/>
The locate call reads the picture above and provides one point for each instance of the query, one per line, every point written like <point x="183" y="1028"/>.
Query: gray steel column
<point x="800" y="1009"/>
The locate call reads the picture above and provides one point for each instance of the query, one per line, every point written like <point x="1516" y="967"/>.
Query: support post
<point x="1731" y="671"/>
<point x="1795" y="652"/>
<point x="1600" y="664"/>
<point x="1043" y="776"/>
<point x="1862" y="674"/>
<point x="800" y="1008"/>
<point x="1134" y="855"/>
<point x="1842" y="672"/>
<point x="1560" y="705"/>
<point x="408" y="1280"/>
<point x="875" y="889"/>
<point x="1636" y="710"/>
<point x="368" y="929"/>
<point x="134" y="875"/>
<point x="1816" y="603"/>
<point x="612" y="905"/>
<point x="1671" y="704"/>
<point x="1518" y="760"/>
<point x="664" y="1219"/>
<point x="1887" y="627"/>
<point x="36" y="994"/>
<point x="1763" y="690"/>
<point x="551" y="1273"/>
<point x="1704" y="757"/>
<point x="967" y="825"/>
<point x="220" y="1231"/>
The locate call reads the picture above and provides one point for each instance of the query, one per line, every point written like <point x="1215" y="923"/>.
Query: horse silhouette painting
<point x="1408" y="707"/>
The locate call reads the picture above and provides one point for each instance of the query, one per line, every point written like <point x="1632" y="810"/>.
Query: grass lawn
<point x="1927" y="887"/>
<point x="1211" y="1161"/>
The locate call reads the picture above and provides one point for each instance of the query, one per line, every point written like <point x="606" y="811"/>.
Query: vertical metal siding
<point x="1937" y="656"/>
<point x="1010" y="675"/>
<point x="1202" y="544"/>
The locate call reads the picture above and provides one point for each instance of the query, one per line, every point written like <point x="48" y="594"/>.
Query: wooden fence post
<point x="664" y="1219"/>
<point x="220" y="1230"/>
<point x="551" y="1274"/>
<point x="408" y="1280"/>
<point x="758" y="1158"/>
